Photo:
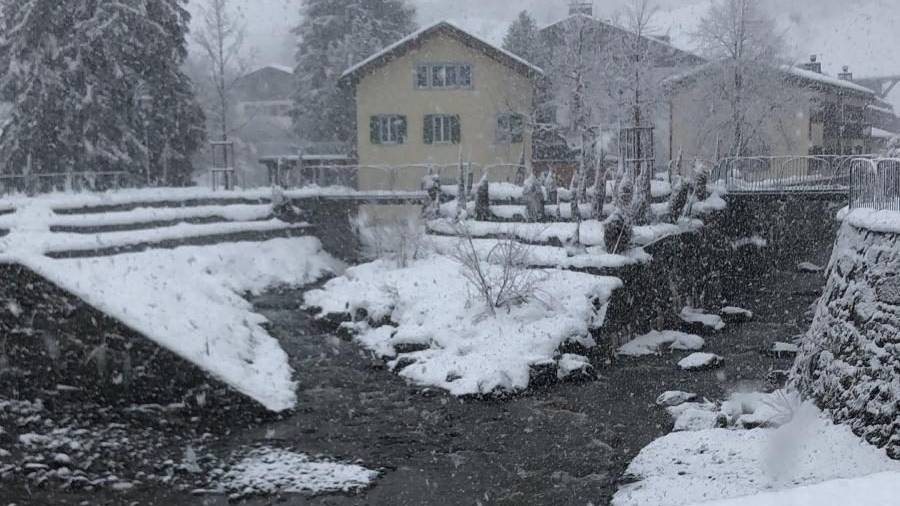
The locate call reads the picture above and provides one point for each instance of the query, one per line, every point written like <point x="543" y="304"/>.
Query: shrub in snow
<point x="483" y="200"/>
<point x="678" y="200"/>
<point x="701" y="180"/>
<point x="849" y="361"/>
<point x="432" y="186"/>
<point x="512" y="284"/>
<point x="400" y="239"/>
<point x="617" y="232"/>
<point x="533" y="194"/>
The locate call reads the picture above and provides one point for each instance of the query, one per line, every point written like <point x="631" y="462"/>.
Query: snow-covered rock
<point x="674" y="398"/>
<point x="780" y="348"/>
<point x="731" y="314"/>
<point x="701" y="317"/>
<point x="650" y="343"/>
<point x="573" y="366"/>
<point x="809" y="267"/>
<point x="697" y="361"/>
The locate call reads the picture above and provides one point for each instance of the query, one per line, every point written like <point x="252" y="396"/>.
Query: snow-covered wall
<point x="850" y="359"/>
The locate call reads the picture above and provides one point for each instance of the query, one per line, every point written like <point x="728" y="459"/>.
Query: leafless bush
<point x="399" y="238"/>
<point x="501" y="278"/>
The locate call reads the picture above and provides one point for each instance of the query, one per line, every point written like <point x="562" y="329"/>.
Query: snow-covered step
<point x="149" y="217"/>
<point x="62" y="245"/>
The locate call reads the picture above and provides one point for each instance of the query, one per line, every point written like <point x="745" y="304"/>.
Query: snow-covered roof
<point x="405" y="44"/>
<point x="882" y="134"/>
<point x="789" y="70"/>
<point x="825" y="79"/>
<point x="283" y="68"/>
<point x="605" y="22"/>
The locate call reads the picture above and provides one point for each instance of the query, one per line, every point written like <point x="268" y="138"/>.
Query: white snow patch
<point x="430" y="303"/>
<point x="887" y="222"/>
<point x="686" y="468"/>
<point x="755" y="240"/>
<point x="649" y="344"/>
<point x="569" y="364"/>
<point x="269" y="471"/>
<point x="700" y="361"/>
<point x="188" y="300"/>
<point x="881" y="489"/>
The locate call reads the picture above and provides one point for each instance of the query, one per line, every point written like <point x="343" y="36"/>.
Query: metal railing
<point x="786" y="173"/>
<point x="875" y="184"/>
<point x="62" y="181"/>
<point x="389" y="178"/>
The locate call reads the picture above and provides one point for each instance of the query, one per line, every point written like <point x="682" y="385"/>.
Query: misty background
<point x="859" y="33"/>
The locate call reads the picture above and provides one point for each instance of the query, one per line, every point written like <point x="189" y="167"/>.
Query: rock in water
<point x="700" y="361"/>
<point x="674" y="398"/>
<point x="809" y="267"/>
<point x="731" y="314"/>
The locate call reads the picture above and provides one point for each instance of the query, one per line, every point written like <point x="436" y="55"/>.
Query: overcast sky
<point x="859" y="33"/>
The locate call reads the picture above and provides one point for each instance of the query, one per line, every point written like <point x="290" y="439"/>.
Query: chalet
<point x="436" y="97"/>
<point x="814" y="114"/>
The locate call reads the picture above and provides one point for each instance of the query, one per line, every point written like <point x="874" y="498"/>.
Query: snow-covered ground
<point x="882" y="489"/>
<point x="189" y="301"/>
<point x="701" y="463"/>
<point x="463" y="349"/>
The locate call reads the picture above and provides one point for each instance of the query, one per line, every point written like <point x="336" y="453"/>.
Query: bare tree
<point x="747" y="51"/>
<point x="222" y="39"/>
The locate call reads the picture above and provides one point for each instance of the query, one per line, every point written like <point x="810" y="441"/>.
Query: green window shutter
<point x="401" y="128"/>
<point x="428" y="129"/>
<point x="374" y="133"/>
<point x="517" y="128"/>
<point x="455" y="130"/>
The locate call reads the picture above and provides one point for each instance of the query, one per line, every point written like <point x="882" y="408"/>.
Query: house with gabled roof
<point x="436" y="97"/>
<point x="811" y="113"/>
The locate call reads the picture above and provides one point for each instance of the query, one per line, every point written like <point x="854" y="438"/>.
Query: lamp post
<point x="145" y="102"/>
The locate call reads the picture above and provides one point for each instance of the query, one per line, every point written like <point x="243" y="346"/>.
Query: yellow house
<point x="436" y="97"/>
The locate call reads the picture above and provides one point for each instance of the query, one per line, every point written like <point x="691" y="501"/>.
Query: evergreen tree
<point x="74" y="72"/>
<point x="523" y="39"/>
<point x="334" y="35"/>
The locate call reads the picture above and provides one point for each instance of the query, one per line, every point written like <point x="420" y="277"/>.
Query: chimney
<point x="581" y="7"/>
<point x="814" y="65"/>
<point x="846" y="75"/>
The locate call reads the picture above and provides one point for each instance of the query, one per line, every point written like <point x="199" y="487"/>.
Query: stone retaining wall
<point x="850" y="360"/>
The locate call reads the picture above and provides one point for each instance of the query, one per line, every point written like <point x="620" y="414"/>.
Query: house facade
<point x="438" y="97"/>
<point x="810" y="113"/>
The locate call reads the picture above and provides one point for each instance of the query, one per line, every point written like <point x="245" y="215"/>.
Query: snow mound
<point x="462" y="348"/>
<point x="188" y="300"/>
<point x="269" y="471"/>
<point x="736" y="314"/>
<point x="696" y="361"/>
<point x="692" y="467"/>
<point x="692" y="315"/>
<point x="649" y="344"/>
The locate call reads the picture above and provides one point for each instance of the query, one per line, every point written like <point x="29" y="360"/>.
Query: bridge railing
<point x="786" y="173"/>
<point x="875" y="184"/>
<point x="407" y="177"/>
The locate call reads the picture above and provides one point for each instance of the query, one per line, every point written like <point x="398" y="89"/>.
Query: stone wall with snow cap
<point x="850" y="359"/>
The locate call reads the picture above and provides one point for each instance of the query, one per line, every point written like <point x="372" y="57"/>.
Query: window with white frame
<point x="443" y="75"/>
<point x="442" y="129"/>
<point x="510" y="128"/>
<point x="387" y="129"/>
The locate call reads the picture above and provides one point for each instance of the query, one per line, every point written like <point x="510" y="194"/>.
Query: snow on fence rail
<point x="786" y="173"/>
<point x="875" y="184"/>
<point x="62" y="181"/>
